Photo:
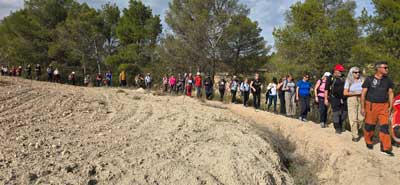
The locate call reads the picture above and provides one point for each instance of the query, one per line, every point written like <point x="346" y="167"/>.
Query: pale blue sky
<point x="268" y="13"/>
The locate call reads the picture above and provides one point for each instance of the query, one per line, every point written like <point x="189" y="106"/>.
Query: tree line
<point x="202" y="35"/>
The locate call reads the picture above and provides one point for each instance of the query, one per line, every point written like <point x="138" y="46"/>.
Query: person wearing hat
<point x="352" y="90"/>
<point x="72" y="78"/>
<point x="198" y="84"/>
<point x="376" y="105"/>
<point x="234" y="85"/>
<point x="319" y="92"/>
<point x="335" y="97"/>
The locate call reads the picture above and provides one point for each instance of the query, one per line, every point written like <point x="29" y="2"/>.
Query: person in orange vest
<point x="376" y="104"/>
<point x="122" y="78"/>
<point x="198" y="83"/>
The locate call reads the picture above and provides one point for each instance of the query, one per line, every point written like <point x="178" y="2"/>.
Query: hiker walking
<point x="198" y="84"/>
<point x="50" y="73"/>
<point x="72" y="78"/>
<point x="99" y="79"/>
<point x="165" y="83"/>
<point x="86" y="80"/>
<point x="256" y="86"/>
<point x="172" y="83"/>
<point x="245" y="89"/>
<point x="376" y="105"/>
<point x="319" y="92"/>
<point x="180" y="86"/>
<point x="281" y="95"/>
<point x="271" y="94"/>
<point x="38" y="71"/>
<point x="122" y="78"/>
<point x="334" y="96"/>
<point x="221" y="88"/>
<point x="208" y="85"/>
<point x="234" y="87"/>
<point x="290" y="95"/>
<point x="28" y="70"/>
<point x="109" y="78"/>
<point x="148" y="81"/>
<point x="189" y="85"/>
<point x="19" y="71"/>
<point x="352" y="90"/>
<point x="56" y="75"/>
<point x="303" y="95"/>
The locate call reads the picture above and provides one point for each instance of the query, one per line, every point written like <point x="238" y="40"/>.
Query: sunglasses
<point x="356" y="72"/>
<point x="306" y="77"/>
<point x="386" y="67"/>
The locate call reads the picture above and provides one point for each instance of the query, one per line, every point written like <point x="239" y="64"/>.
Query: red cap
<point x="339" y="67"/>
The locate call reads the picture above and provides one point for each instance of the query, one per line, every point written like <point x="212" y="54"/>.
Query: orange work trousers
<point x="377" y="113"/>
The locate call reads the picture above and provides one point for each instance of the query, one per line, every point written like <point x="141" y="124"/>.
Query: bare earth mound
<point x="57" y="134"/>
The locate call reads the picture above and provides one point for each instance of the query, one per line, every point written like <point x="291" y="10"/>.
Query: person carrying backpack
<point x="245" y="89"/>
<point x="303" y="95"/>
<point x="72" y="78"/>
<point x="352" y="90"/>
<point x="376" y="106"/>
<point x="99" y="79"/>
<point x="28" y="70"/>
<point x="319" y="91"/>
<point x="256" y="86"/>
<point x="180" y="85"/>
<point x="334" y="96"/>
<point x="271" y="94"/>
<point x="172" y="83"/>
<point x="290" y="95"/>
<point x="233" y="87"/>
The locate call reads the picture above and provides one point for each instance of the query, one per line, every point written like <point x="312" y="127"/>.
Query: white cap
<point x="327" y="74"/>
<point x="73" y="72"/>
<point x="198" y="73"/>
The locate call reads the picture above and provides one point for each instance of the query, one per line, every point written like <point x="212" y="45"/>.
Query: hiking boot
<point x="300" y="118"/>
<point x="322" y="124"/>
<point x="387" y="153"/>
<point x="370" y="146"/>
<point x="338" y="131"/>
<point x="305" y="120"/>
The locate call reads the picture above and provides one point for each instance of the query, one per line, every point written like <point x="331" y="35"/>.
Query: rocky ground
<point x="59" y="134"/>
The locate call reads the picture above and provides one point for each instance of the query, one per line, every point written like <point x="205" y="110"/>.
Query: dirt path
<point x="59" y="134"/>
<point x="334" y="159"/>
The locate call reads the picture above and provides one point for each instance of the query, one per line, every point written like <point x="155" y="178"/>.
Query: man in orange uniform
<point x="376" y="105"/>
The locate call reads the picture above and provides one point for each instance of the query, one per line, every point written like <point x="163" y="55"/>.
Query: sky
<point x="268" y="13"/>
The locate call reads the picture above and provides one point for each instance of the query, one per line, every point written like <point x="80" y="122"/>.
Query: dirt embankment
<point x="319" y="156"/>
<point x="57" y="134"/>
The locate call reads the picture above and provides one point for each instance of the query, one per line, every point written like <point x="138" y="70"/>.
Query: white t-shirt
<point x="272" y="87"/>
<point x="355" y="87"/>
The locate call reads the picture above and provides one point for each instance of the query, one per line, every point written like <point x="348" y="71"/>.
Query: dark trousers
<point x="323" y="110"/>
<point x="209" y="92"/>
<point x="256" y="99"/>
<point x="272" y="99"/>
<point x="339" y="108"/>
<point x="49" y="77"/>
<point x="233" y="92"/>
<point x="305" y="106"/>
<point x="282" y="102"/>
<point x="245" y="97"/>
<point x="221" y="94"/>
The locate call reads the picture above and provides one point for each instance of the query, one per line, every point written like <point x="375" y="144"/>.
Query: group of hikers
<point x="365" y="101"/>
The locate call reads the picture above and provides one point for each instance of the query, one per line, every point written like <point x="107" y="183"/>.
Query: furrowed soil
<point x="59" y="134"/>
